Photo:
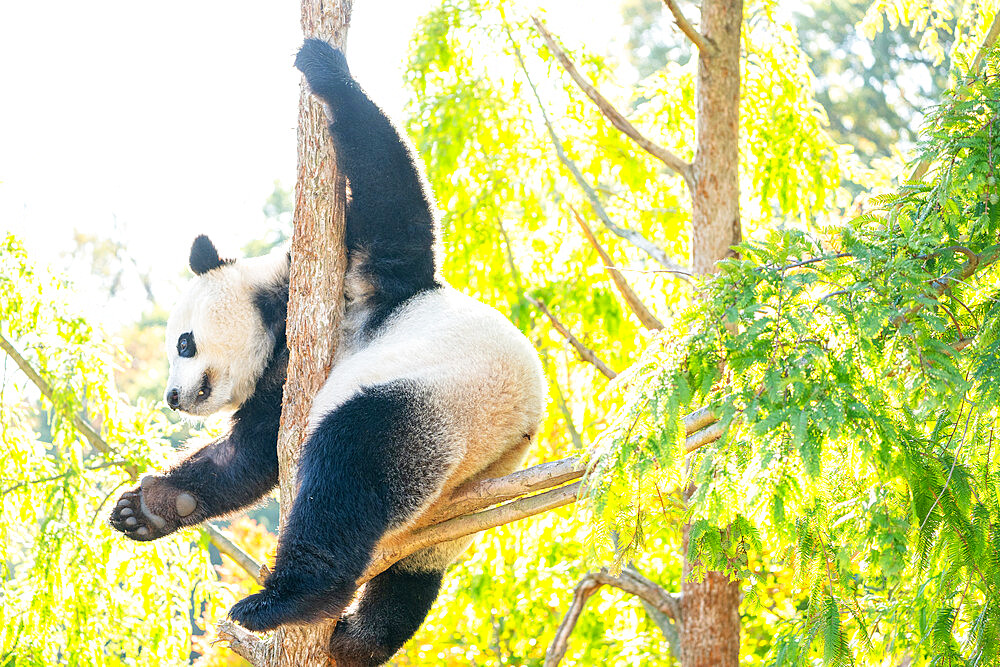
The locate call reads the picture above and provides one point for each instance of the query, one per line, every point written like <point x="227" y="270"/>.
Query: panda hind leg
<point x="367" y="467"/>
<point x="390" y="609"/>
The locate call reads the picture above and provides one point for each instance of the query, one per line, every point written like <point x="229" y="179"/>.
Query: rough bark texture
<point x="716" y="198"/>
<point x="710" y="630"/>
<point x="315" y="305"/>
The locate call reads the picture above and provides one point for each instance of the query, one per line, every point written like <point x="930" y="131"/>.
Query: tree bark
<point x="715" y="218"/>
<point x="710" y="629"/>
<point x="315" y="303"/>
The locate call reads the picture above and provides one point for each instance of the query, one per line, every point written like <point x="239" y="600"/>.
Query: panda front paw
<point x="151" y="510"/>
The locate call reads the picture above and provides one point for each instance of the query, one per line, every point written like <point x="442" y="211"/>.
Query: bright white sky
<point x="175" y="119"/>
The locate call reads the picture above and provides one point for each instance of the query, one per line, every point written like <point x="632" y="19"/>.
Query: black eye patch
<point x="185" y="345"/>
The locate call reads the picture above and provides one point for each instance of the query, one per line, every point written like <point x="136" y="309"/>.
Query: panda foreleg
<point x="221" y="477"/>
<point x="369" y="466"/>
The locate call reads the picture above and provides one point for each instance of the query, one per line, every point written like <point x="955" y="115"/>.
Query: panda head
<point x="225" y="329"/>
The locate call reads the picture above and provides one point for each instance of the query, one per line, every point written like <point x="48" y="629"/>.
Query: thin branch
<point x="635" y="304"/>
<point x="939" y="286"/>
<point x="585" y="352"/>
<point x="629" y="581"/>
<point x="225" y="545"/>
<point x="920" y="170"/>
<point x="52" y="478"/>
<point x="487" y="492"/>
<point x="668" y="158"/>
<point x="395" y="548"/>
<point x="704" y="44"/>
<point x="630" y="235"/>
<point x="81" y="425"/>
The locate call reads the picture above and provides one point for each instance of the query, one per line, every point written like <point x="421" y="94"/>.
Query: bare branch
<point x="226" y="546"/>
<point x="629" y="581"/>
<point x="81" y="424"/>
<point x="585" y="352"/>
<point x="243" y="643"/>
<point x="632" y="299"/>
<point x="703" y="437"/>
<point x="630" y="235"/>
<point x="705" y="45"/>
<point x="487" y="492"/>
<point x="398" y="547"/>
<point x="668" y="158"/>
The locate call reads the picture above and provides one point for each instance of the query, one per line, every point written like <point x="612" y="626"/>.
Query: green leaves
<point x="860" y="387"/>
<point x="74" y="593"/>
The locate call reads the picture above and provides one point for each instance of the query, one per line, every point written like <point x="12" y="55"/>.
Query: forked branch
<point x="629" y="581"/>
<point x="630" y="235"/>
<point x="668" y="158"/>
<point x="705" y="45"/>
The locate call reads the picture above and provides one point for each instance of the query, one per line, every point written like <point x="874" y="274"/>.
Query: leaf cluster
<point x="857" y="371"/>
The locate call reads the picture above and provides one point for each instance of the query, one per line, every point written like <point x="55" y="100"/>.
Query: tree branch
<point x="81" y="424"/>
<point x="632" y="299"/>
<point x="973" y="264"/>
<point x="243" y="643"/>
<point x="629" y="581"/>
<point x="395" y="548"/>
<point x="668" y="158"/>
<point x="226" y="546"/>
<point x="705" y="45"/>
<point x="585" y="352"/>
<point x="630" y="235"/>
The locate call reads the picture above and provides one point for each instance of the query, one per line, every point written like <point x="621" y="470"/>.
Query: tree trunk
<point x="315" y="303"/>
<point x="715" y="217"/>
<point x="710" y="630"/>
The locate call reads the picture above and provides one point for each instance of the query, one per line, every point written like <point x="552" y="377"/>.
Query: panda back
<point x="482" y="376"/>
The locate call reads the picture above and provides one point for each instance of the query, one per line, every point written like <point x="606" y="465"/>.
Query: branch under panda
<point x="474" y="508"/>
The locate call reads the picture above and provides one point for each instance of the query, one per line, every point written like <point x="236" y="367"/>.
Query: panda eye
<point x="185" y="345"/>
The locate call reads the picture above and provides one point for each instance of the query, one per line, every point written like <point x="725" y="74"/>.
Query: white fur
<point x="231" y="341"/>
<point x="484" y="376"/>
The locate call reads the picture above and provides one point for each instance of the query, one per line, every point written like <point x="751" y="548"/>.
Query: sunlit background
<point x="153" y="123"/>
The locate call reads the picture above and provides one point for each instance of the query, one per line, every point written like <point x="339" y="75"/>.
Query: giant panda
<point x="429" y="389"/>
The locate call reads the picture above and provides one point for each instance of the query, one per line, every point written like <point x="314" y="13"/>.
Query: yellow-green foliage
<point x="74" y="592"/>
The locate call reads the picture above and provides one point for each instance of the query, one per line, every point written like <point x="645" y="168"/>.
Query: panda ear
<point x="204" y="256"/>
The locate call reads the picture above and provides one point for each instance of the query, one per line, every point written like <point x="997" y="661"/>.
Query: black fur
<point x="228" y="474"/>
<point x="390" y="220"/>
<point x="393" y="606"/>
<point x="204" y="256"/>
<point x="272" y="304"/>
<point x="368" y="466"/>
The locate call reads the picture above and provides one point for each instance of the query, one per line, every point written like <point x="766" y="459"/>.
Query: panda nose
<point x="173" y="398"/>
